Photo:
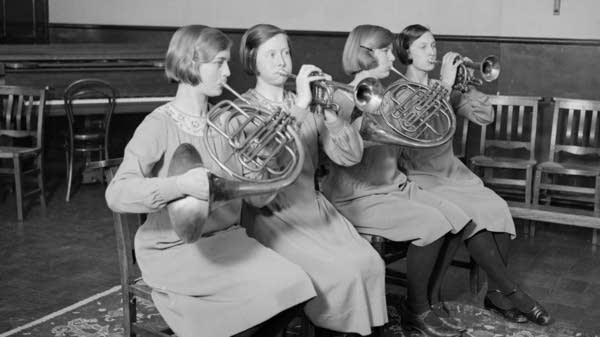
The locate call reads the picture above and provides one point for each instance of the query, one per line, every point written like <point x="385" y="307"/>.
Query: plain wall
<point x="578" y="19"/>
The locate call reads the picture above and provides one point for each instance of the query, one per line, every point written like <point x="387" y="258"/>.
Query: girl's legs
<point x="502" y="241"/>
<point x="417" y="314"/>
<point x="484" y="250"/>
<point x="419" y="268"/>
<point x="447" y="253"/>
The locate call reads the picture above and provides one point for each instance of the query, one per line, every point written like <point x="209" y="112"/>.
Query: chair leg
<point x="69" y="174"/>
<point x="129" y="312"/>
<point x="18" y="187"/>
<point x="474" y="277"/>
<point x="41" y="184"/>
<point x="528" y="196"/>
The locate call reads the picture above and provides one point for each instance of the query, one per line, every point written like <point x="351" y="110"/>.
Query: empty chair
<point x="21" y="140"/>
<point x="572" y="173"/>
<point x="508" y="144"/>
<point x="87" y="134"/>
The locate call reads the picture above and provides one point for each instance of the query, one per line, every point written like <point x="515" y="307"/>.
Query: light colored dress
<point x="439" y="171"/>
<point x="303" y="226"/>
<point x="376" y="196"/>
<point x="225" y="282"/>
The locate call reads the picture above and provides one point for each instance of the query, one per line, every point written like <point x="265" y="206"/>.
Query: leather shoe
<point x="443" y="313"/>
<point x="427" y="323"/>
<point x="511" y="314"/>
<point x="538" y="315"/>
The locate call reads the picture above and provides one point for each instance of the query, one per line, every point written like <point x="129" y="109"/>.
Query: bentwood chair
<point x="87" y="134"/>
<point x="21" y="140"/>
<point x="508" y="144"/>
<point x="572" y="173"/>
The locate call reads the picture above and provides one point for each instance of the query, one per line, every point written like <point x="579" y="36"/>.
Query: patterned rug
<point x="101" y="315"/>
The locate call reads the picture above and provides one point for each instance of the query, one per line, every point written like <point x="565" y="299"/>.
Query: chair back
<point x="514" y="126"/>
<point x="460" y="138"/>
<point x="575" y="128"/>
<point x="96" y="91"/>
<point x="132" y="285"/>
<point x="22" y="113"/>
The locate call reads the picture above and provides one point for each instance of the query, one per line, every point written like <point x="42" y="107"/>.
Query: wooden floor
<point x="51" y="262"/>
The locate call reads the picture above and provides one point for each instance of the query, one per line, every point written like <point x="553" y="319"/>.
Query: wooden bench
<point x="556" y="214"/>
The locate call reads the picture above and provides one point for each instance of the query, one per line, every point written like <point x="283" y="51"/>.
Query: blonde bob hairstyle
<point x="191" y="46"/>
<point x="358" y="50"/>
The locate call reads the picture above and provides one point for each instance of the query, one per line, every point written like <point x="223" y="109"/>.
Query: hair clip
<point x="367" y="48"/>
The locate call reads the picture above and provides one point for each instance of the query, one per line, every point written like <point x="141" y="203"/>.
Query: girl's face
<point x="423" y="52"/>
<point x="385" y="61"/>
<point x="273" y="60"/>
<point x="214" y="74"/>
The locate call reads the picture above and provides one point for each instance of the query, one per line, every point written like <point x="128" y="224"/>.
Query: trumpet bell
<point x="368" y="95"/>
<point x="490" y="68"/>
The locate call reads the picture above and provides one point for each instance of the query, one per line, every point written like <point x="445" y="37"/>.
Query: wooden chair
<point x="508" y="144"/>
<point x="572" y="172"/>
<point x="460" y="138"/>
<point x="22" y="122"/>
<point x="391" y="252"/>
<point x="133" y="287"/>
<point x="87" y="134"/>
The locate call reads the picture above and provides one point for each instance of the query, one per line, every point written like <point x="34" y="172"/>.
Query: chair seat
<point x="502" y="162"/>
<point x="11" y="151"/>
<point x="581" y="169"/>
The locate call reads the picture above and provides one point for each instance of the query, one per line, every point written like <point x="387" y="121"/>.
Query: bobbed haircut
<point x="405" y="38"/>
<point x="358" y="50"/>
<point x="253" y="38"/>
<point x="189" y="47"/>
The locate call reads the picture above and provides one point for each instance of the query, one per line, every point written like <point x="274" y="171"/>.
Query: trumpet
<point x="322" y="92"/>
<point x="263" y="154"/>
<point x="405" y="113"/>
<point x="489" y="70"/>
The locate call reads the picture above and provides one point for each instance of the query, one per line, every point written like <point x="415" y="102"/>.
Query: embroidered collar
<point x="286" y="105"/>
<point x="192" y="124"/>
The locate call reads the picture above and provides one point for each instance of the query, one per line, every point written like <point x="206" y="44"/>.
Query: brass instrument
<point x="406" y="113"/>
<point x="265" y="145"/>
<point x="489" y="70"/>
<point x="322" y="93"/>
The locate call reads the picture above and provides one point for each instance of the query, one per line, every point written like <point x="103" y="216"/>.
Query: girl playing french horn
<point x="437" y="170"/>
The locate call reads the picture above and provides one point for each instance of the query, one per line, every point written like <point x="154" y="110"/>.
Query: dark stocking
<point x="447" y="253"/>
<point x="485" y="252"/>
<point x="419" y="266"/>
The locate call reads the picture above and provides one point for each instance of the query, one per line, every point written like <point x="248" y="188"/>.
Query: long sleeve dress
<point x="376" y="196"/>
<point x="223" y="283"/>
<point x="439" y="171"/>
<point x="303" y="226"/>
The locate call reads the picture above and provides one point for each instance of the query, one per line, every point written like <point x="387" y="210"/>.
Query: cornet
<point x="322" y="93"/>
<point x="405" y="113"/>
<point x="489" y="69"/>
<point x="263" y="154"/>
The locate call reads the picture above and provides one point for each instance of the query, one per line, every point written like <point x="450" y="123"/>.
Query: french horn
<point x="263" y="154"/>
<point x="405" y="113"/>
